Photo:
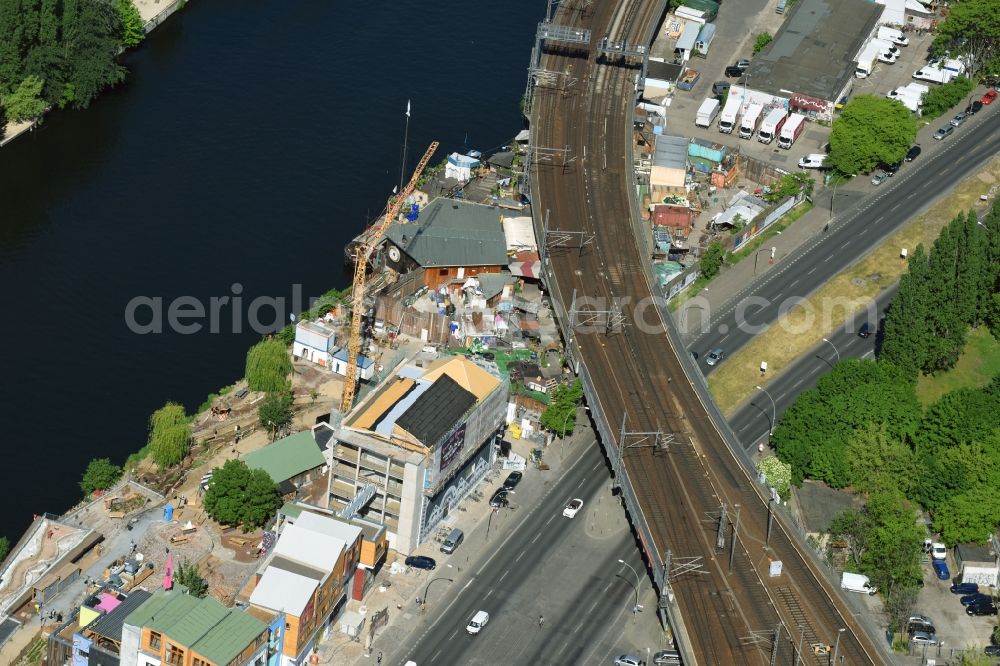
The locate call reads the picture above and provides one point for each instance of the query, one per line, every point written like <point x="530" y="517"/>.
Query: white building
<point x="366" y="366"/>
<point x="460" y="167"/>
<point x="314" y="343"/>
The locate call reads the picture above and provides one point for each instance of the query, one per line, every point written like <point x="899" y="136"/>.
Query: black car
<point x="420" y="562"/>
<point x="964" y="588"/>
<point x="920" y="625"/>
<point x="891" y="169"/>
<point x="512" y="480"/>
<point x="973" y="108"/>
<point x="499" y="498"/>
<point x="981" y="609"/>
<point x="912" y="154"/>
<point x="734" y="71"/>
<point x="976" y="598"/>
<point x="992" y="651"/>
<point x="866" y="330"/>
<point x="720" y="87"/>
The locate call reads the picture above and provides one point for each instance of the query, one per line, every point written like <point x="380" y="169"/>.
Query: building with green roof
<point x="288" y="461"/>
<point x="175" y="627"/>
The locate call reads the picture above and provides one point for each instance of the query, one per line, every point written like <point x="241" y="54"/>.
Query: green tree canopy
<point x="761" y="41"/>
<point x="711" y="261"/>
<point x="25" y="103"/>
<point x="189" y="576"/>
<point x="879" y="460"/>
<point x="100" y="474"/>
<point x="870" y="130"/>
<point x="940" y="99"/>
<point x="972" y="29"/>
<point x="560" y="416"/>
<point x="268" y="366"/>
<point x="789" y="185"/>
<point x="777" y="473"/>
<point x="4" y="548"/>
<point x="276" y="411"/>
<point x="169" y="435"/>
<point x="971" y="516"/>
<point x="240" y="496"/>
<point x="813" y="434"/>
<point x="133" y="27"/>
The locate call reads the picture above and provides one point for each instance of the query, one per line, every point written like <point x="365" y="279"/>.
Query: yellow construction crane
<point x="364" y="253"/>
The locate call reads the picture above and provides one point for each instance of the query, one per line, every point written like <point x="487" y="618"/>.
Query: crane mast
<point x="364" y="254"/>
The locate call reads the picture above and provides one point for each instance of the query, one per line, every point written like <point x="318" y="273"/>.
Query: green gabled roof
<point x="229" y="637"/>
<point x="204" y="625"/>
<point x="288" y="457"/>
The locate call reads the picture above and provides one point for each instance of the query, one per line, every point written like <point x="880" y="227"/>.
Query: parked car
<point x="667" y="658"/>
<point x="980" y="610"/>
<point x="499" y="498"/>
<point x="938" y="551"/>
<point x="920" y="623"/>
<point x="964" y="588"/>
<point x="941" y="569"/>
<point x="959" y="119"/>
<point x="975" y="106"/>
<point x="866" y="330"/>
<point x="420" y="562"/>
<point x="988" y="97"/>
<point x="512" y="480"/>
<point x="879" y="177"/>
<point x="912" y="154"/>
<point x="720" y="87"/>
<point x="943" y="132"/>
<point x="923" y="638"/>
<point x="891" y="169"/>
<point x="737" y="68"/>
<point x="975" y="598"/>
<point x="715" y="356"/>
<point x="628" y="660"/>
<point x="573" y="508"/>
<point x="812" y="161"/>
<point x="992" y="651"/>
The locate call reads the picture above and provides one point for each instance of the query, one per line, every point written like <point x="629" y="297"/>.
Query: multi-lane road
<point x="856" y="230"/>
<point x="730" y="611"/>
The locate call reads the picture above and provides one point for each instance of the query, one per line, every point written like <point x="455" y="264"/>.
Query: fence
<point x="758" y="170"/>
<point x="163" y="15"/>
<point x="428" y="326"/>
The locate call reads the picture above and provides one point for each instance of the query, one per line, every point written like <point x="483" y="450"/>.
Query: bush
<point x="276" y="411"/>
<point x="940" y="99"/>
<point x="100" y="474"/>
<point x="761" y="42"/>
<point x="711" y="261"/>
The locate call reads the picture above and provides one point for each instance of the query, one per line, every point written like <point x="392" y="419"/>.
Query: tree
<point x="25" y="103"/>
<point x="711" y="260"/>
<point x="133" y="27"/>
<point x="813" y="434"/>
<point x="560" y="416"/>
<point x="900" y="605"/>
<point x="268" y="366"/>
<point x="907" y="327"/>
<point x="4" y="548"/>
<point x="870" y="130"/>
<point x="189" y="576"/>
<point x="237" y="495"/>
<point x="939" y="99"/>
<point x="100" y="474"/>
<point x="777" y="474"/>
<point x="972" y="28"/>
<point x="761" y="41"/>
<point x="276" y="411"/>
<point x="169" y="435"/>
<point x="789" y="185"/>
<point x="968" y="517"/>
<point x="879" y="460"/>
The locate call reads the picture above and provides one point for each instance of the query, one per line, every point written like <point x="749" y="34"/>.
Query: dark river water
<point x="251" y="140"/>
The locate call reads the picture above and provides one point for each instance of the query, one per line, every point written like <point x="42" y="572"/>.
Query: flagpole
<point x="406" y="138"/>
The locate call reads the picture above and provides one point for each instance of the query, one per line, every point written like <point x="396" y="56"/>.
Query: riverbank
<point x="153" y="13"/>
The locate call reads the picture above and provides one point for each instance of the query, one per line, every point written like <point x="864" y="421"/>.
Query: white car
<point x="938" y="551"/>
<point x="812" y="161"/>
<point x="477" y="622"/>
<point x="628" y="660"/>
<point x="573" y="508"/>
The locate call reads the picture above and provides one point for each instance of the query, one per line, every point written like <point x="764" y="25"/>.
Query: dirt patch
<point x="829" y="307"/>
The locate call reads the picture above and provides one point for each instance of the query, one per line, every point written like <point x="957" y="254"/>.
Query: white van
<point x="477" y="622"/>
<point x="853" y="582"/>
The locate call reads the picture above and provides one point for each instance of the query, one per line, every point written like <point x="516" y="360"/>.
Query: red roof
<point x="672" y="216"/>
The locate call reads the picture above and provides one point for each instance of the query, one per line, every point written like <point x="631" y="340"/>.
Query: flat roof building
<point x="811" y="61"/>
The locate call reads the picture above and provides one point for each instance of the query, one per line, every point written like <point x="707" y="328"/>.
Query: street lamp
<point x="423" y="604"/>
<point x="835" y="351"/>
<point x="757" y="254"/>
<point x="836" y="646"/>
<point x="774" y="409"/>
<point x="635" y="608"/>
<point x="495" y="509"/>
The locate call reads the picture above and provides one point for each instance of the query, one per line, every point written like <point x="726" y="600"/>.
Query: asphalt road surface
<point x="855" y="231"/>
<point x="752" y="422"/>
<point x="549" y="566"/>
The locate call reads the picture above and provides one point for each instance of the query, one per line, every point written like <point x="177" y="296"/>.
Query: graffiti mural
<point x="437" y="508"/>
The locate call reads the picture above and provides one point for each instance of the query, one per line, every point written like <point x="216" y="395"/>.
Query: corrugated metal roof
<point x="110" y="626"/>
<point x="689" y="36"/>
<point x="671" y="152"/>
<point x="228" y="638"/>
<point x="287" y="458"/>
<point x="452" y="233"/>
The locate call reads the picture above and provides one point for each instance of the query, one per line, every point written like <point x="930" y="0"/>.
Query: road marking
<point x="796" y="384"/>
<point x="536" y="537"/>
<point x="796" y="282"/>
<point x="503" y="576"/>
<point x="870" y="354"/>
<point x="582" y="482"/>
<point x="518" y="558"/>
<point x="434" y="658"/>
<point x="879" y="219"/>
<point x="828" y="258"/>
<point x="488" y="594"/>
<point x="896" y="206"/>
<point x="846" y="243"/>
<point x="812" y="271"/>
<point x="551" y="518"/>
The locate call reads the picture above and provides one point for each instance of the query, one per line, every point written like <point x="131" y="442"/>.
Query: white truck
<point x="888" y="52"/>
<point x="892" y="35"/>
<point x="934" y="73"/>
<point x="707" y="112"/>
<point x="853" y="582"/>
<point x="772" y="125"/>
<point x="791" y="130"/>
<point x="751" y="120"/>
<point x="866" y="61"/>
<point x="910" y="102"/>
<point x="727" y="119"/>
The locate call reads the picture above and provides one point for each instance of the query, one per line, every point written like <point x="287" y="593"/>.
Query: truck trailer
<point x="727" y="119"/>
<point x="892" y="35"/>
<point x="791" y="130"/>
<point x="771" y="126"/>
<point x="751" y="120"/>
<point x="707" y="112"/>
<point x="934" y="74"/>
<point x="866" y="61"/>
<point x="853" y="582"/>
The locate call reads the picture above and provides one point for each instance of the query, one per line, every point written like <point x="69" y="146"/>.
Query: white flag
<point x="407" y="108"/>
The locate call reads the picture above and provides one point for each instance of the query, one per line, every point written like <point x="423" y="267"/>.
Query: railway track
<point x="731" y="615"/>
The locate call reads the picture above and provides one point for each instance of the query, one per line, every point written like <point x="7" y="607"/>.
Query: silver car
<point x="923" y="638"/>
<point x="879" y="177"/>
<point x="943" y="132"/>
<point x="959" y="119"/>
<point x="715" y="356"/>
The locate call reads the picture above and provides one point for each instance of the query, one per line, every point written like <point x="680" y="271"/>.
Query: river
<point x="249" y="143"/>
